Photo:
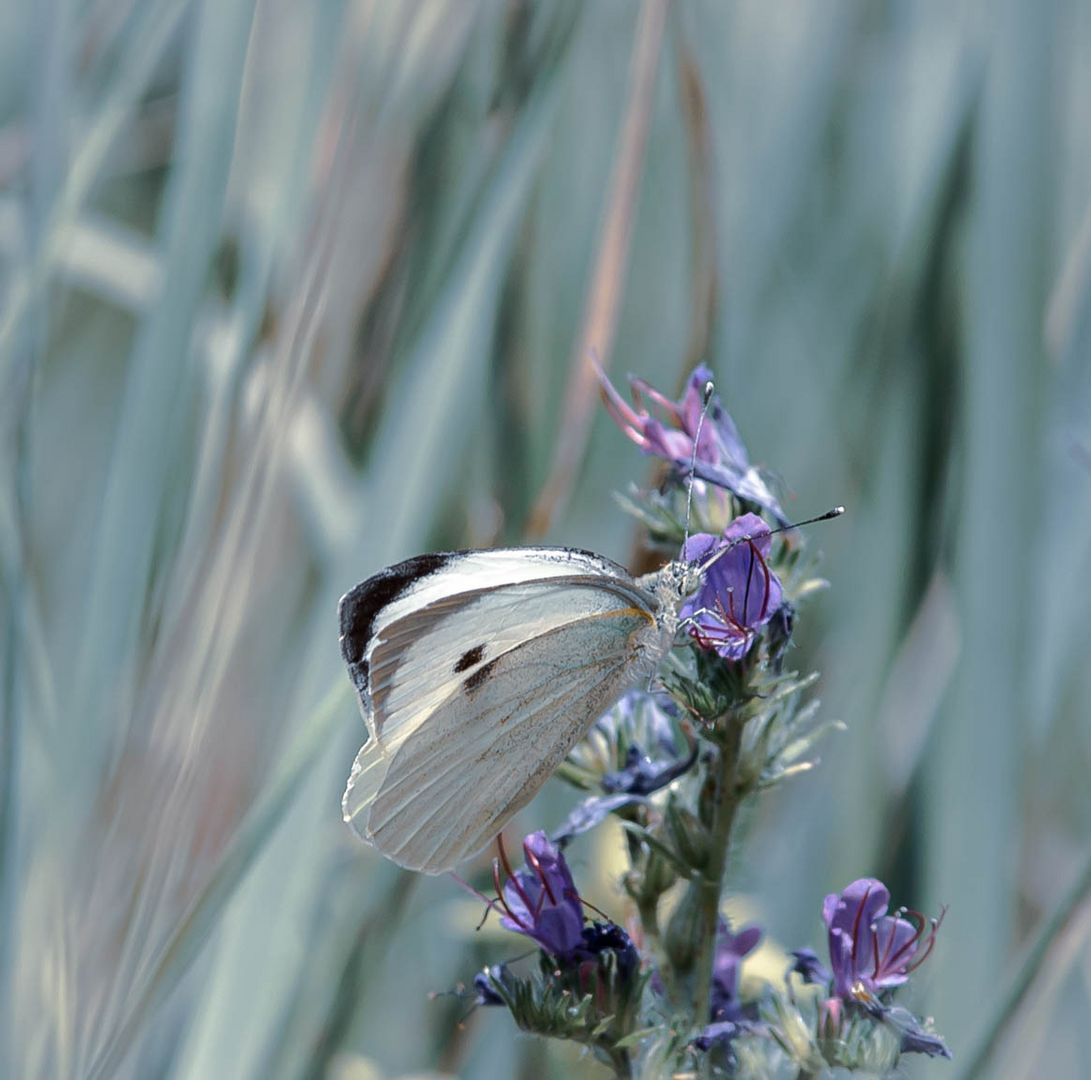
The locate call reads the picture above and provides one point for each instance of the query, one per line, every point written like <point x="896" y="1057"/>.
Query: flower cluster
<point x="872" y="954"/>
<point x="589" y="984"/>
<point x="591" y="972"/>
<point x="686" y="436"/>
<point x="672" y="763"/>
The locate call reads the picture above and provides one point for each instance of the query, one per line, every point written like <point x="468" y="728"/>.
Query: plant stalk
<point x="649" y="924"/>
<point x="621" y="1063"/>
<point x="711" y="884"/>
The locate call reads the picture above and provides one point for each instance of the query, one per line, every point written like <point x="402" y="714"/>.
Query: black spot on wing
<point x="360" y="607"/>
<point x="480" y="676"/>
<point x="469" y="658"/>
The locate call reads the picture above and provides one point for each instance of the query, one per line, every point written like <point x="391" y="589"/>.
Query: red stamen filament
<point x="533" y="860"/>
<point x="912" y="953"/>
<point x="893" y="960"/>
<point x="514" y="880"/>
<point x="588" y="904"/>
<point x="500" y="897"/>
<point x="927" y="951"/>
<point x="856" y="925"/>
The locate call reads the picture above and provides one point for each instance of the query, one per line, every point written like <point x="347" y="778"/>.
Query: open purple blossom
<point x="871" y="951"/>
<point x="739" y="592"/>
<point x="541" y="901"/>
<point x="720" y="456"/>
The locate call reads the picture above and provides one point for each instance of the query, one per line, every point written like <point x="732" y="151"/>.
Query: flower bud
<point x="690" y="837"/>
<point x="659" y="876"/>
<point x="682" y="931"/>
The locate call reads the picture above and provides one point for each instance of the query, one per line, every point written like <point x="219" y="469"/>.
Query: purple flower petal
<point x="739" y="593"/>
<point x="809" y="968"/>
<point x="730" y="950"/>
<point x="541" y="901"/>
<point x="590" y="813"/>
<point x="643" y="776"/>
<point x="915" y="1038"/>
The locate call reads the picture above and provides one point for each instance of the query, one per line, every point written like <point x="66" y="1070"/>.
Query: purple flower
<point x="809" y="968"/>
<point x="915" y="1038"/>
<point x="720" y="457"/>
<point x="871" y="951"/>
<point x="603" y="937"/>
<point x="541" y="901"/>
<point x="641" y="775"/>
<point x="485" y="983"/>
<point x="729" y="1017"/>
<point x="648" y="718"/>
<point x="730" y="950"/>
<point x="589" y="813"/>
<point x="723" y="1031"/>
<point x="739" y="593"/>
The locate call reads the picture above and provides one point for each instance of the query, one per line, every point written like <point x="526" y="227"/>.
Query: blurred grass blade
<point x="158" y="21"/>
<point x="250" y="839"/>
<point x="984" y="730"/>
<point x="1051" y="941"/>
<point x="160" y="385"/>
<point x="596" y="338"/>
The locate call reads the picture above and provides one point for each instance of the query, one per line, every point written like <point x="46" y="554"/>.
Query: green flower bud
<point x="682" y="931"/>
<point x="690" y="837"/>
<point x="659" y="875"/>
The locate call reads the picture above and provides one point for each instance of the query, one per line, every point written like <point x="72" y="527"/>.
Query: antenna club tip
<point x="837" y="511"/>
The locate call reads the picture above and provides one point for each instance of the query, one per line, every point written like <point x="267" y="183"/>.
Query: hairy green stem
<point x="649" y="924"/>
<point x="621" y="1063"/>
<point x="711" y="885"/>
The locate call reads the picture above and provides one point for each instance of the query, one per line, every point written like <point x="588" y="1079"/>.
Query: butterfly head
<point x="679" y="579"/>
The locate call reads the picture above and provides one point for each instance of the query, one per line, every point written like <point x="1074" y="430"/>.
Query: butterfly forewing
<point x="475" y="687"/>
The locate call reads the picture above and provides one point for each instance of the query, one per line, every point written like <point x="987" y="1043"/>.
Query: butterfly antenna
<point x="837" y="511"/>
<point x="710" y="389"/>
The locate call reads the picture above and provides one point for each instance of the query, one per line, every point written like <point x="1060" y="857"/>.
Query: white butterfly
<point x="477" y="672"/>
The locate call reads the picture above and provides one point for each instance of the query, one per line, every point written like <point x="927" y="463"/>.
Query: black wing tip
<point x="360" y="607"/>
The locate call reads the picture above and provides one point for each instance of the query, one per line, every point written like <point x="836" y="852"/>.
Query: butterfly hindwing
<point x="487" y="750"/>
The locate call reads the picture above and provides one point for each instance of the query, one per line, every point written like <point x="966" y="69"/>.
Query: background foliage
<point x="291" y="291"/>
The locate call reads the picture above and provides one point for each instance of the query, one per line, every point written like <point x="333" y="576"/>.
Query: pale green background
<point x="290" y="291"/>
